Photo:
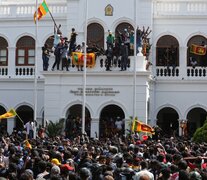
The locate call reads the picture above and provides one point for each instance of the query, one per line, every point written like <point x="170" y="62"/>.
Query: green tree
<point x="201" y="133"/>
<point x="55" y="128"/>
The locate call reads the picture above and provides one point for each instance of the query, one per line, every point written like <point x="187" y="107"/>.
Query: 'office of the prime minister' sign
<point x="95" y="92"/>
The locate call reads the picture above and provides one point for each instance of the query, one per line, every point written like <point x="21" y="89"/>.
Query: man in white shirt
<point x="29" y="126"/>
<point x="144" y="173"/>
<point x="119" y="124"/>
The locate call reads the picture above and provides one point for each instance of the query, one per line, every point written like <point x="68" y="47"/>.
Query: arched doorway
<point x="196" y="118"/>
<point x="73" y="123"/>
<point x="109" y="116"/>
<point x="25" y="113"/>
<point x="200" y="59"/>
<point x="3" y="122"/>
<point x="167" y="120"/>
<point x="167" y="51"/>
<point x="120" y="29"/>
<point x="95" y="35"/>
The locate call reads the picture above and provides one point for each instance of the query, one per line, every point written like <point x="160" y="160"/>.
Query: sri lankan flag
<point x="138" y="126"/>
<point x="27" y="144"/>
<point x="11" y="113"/>
<point x="198" y="50"/>
<point x="42" y="11"/>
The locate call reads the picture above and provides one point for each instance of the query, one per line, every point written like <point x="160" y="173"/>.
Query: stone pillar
<point x="127" y="122"/>
<point x="10" y="125"/>
<point x="11" y="61"/>
<point x="183" y="63"/>
<point x="94" y="127"/>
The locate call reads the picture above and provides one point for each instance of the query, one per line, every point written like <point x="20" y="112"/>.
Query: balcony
<point x="180" y="8"/>
<point x="190" y="73"/>
<point x="27" y="10"/>
<point x="100" y="66"/>
<point x="163" y="71"/>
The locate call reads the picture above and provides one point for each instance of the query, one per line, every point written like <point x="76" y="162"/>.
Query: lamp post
<point x="183" y="126"/>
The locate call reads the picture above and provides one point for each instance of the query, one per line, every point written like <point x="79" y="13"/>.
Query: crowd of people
<point x="121" y="157"/>
<point x="118" y="50"/>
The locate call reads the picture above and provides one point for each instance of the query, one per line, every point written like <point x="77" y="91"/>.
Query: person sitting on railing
<point x="193" y="62"/>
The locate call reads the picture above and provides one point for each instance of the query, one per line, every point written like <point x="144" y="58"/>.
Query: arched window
<point x="25" y="51"/>
<point x="95" y="35"/>
<point x="200" y="59"/>
<point x="120" y="30"/>
<point x="50" y="41"/>
<point x="167" y="51"/>
<point x="3" y="52"/>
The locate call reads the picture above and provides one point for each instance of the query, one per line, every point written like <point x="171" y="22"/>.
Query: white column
<point x="11" y="61"/>
<point x="10" y="125"/>
<point x="39" y="62"/>
<point x="127" y="122"/>
<point x="94" y="127"/>
<point x="183" y="62"/>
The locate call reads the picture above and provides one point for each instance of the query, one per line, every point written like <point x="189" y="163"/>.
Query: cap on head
<point x="55" y="161"/>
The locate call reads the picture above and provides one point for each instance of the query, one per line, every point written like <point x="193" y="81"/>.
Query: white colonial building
<point x="168" y="92"/>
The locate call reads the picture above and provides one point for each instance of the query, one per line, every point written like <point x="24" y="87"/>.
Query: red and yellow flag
<point x="198" y="50"/>
<point x="27" y="144"/>
<point x="78" y="59"/>
<point x="42" y="11"/>
<point x="138" y="126"/>
<point x="11" y="113"/>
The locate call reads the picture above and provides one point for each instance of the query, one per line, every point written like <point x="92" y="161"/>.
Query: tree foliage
<point x="201" y="134"/>
<point x="55" y="128"/>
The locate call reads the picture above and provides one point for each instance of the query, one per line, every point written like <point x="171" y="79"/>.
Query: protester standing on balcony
<point x="64" y="55"/>
<point x="124" y="56"/>
<point x="57" y="36"/>
<point x="126" y="36"/>
<point x="57" y="46"/>
<point x="110" y="40"/>
<point x="72" y="41"/>
<point x="57" y="56"/>
<point x="45" y="57"/>
<point x="109" y="57"/>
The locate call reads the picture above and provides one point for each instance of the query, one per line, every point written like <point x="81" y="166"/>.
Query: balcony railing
<point x="3" y="71"/>
<point x="100" y="66"/>
<point x="24" y="10"/>
<point x="197" y="72"/>
<point x="182" y="7"/>
<point x="25" y="71"/>
<point x="164" y="71"/>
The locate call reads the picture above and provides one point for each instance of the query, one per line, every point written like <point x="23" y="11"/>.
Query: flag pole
<point x="53" y="19"/>
<point x="84" y="71"/>
<point x="35" y="72"/>
<point x="135" y="58"/>
<point x="20" y="119"/>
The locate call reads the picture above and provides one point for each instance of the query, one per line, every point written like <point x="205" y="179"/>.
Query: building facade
<point x="171" y="91"/>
